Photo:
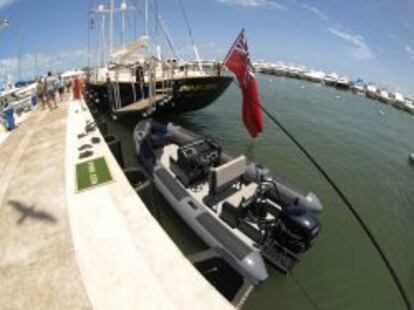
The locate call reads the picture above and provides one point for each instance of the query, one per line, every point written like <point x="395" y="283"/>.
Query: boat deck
<point x="73" y="242"/>
<point x="141" y="105"/>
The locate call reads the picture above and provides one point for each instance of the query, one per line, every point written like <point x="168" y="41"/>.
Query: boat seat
<point x="250" y="231"/>
<point x="223" y="176"/>
<point x="230" y="214"/>
<point x="245" y="192"/>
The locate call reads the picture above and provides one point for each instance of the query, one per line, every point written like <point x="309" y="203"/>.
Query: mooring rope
<point x="187" y="22"/>
<point x="305" y="292"/>
<point x="347" y="203"/>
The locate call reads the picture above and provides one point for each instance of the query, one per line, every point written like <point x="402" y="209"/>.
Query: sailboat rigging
<point x="133" y="79"/>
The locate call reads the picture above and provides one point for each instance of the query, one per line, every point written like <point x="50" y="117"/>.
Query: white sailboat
<point x="398" y="100"/>
<point x="343" y="82"/>
<point x="314" y="76"/>
<point x="409" y="106"/>
<point x="132" y="73"/>
<point x="372" y="91"/>
<point x="331" y="79"/>
<point x="359" y="87"/>
<point x="384" y="96"/>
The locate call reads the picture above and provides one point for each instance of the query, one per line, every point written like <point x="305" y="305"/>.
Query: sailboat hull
<point x="188" y="94"/>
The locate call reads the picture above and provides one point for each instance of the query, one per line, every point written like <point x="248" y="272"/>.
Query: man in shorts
<point x="61" y="88"/>
<point x="40" y="91"/>
<point x="50" y="90"/>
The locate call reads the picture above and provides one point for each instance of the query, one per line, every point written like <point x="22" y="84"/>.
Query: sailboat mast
<point x="102" y="41"/>
<point x="35" y="63"/>
<point x="19" y="60"/>
<point x="190" y="33"/>
<point x="111" y="27"/>
<point x="123" y="11"/>
<point x="146" y="18"/>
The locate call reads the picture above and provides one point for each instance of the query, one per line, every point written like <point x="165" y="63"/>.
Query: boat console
<point x="194" y="161"/>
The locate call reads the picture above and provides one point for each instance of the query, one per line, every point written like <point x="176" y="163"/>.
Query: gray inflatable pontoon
<point x="250" y="218"/>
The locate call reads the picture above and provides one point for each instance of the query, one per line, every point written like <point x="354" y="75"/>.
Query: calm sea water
<point x="364" y="147"/>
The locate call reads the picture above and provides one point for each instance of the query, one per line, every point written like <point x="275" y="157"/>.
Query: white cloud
<point x="58" y="62"/>
<point x="409" y="50"/>
<point x="360" y="48"/>
<point x="4" y="3"/>
<point x="268" y="4"/>
<point x="315" y="10"/>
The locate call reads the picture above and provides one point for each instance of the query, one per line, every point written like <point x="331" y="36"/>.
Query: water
<point x="363" y="149"/>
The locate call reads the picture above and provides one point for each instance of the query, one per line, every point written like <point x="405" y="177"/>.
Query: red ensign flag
<point x="238" y="62"/>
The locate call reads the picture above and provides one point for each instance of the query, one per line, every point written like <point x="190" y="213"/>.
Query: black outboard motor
<point x="294" y="225"/>
<point x="296" y="232"/>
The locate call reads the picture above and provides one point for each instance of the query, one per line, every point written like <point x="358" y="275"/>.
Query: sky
<point x="370" y="39"/>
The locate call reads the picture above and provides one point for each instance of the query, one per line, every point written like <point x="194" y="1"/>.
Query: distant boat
<point x="279" y="69"/>
<point x="343" y="83"/>
<point x="314" y="76"/>
<point x="384" y="96"/>
<point x="359" y="87"/>
<point x="398" y="100"/>
<point x="331" y="79"/>
<point x="372" y="92"/>
<point x="409" y="105"/>
<point x="296" y="72"/>
<point x="411" y="158"/>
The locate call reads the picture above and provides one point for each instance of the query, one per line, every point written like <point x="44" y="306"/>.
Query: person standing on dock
<point x="50" y="91"/>
<point x="61" y="88"/>
<point x="77" y="88"/>
<point x="9" y="115"/>
<point x="40" y="92"/>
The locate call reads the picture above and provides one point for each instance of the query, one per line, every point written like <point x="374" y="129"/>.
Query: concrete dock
<point x="67" y="243"/>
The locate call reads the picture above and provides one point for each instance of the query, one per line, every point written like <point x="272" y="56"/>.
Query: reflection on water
<point x="364" y="151"/>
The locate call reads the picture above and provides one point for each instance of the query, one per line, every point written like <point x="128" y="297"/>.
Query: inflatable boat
<point x="252" y="219"/>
